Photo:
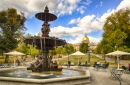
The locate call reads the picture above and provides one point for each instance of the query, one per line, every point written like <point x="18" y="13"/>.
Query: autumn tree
<point x="11" y="28"/>
<point x="116" y="32"/>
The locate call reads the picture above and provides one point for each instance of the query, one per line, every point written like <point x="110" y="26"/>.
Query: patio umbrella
<point x="14" y="53"/>
<point x="78" y="53"/>
<point x="118" y="54"/>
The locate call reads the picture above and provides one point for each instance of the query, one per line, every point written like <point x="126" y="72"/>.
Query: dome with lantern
<point x="85" y="39"/>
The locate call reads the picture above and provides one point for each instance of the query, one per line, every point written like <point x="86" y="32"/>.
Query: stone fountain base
<point x="83" y="79"/>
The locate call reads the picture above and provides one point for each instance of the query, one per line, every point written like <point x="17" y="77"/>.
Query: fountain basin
<point x="71" y="80"/>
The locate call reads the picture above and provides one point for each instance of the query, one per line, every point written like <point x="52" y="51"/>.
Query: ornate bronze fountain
<point x="44" y="43"/>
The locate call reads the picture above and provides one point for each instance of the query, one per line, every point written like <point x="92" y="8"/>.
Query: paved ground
<point x="103" y="78"/>
<point x="126" y="63"/>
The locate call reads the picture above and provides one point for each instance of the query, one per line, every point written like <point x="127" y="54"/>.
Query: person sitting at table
<point x="95" y="63"/>
<point x="98" y="63"/>
<point x="129" y="67"/>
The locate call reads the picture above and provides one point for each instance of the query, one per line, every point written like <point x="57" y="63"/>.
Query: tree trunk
<point x="6" y="59"/>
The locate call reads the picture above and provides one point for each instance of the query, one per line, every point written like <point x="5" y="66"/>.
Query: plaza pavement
<point x="126" y="63"/>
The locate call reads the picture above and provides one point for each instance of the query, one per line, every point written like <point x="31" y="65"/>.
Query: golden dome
<point x="85" y="39"/>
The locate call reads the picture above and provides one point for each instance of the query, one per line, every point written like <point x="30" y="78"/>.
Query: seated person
<point x="98" y="62"/>
<point x="95" y="63"/>
<point x="79" y="63"/>
<point x="69" y="63"/>
<point x="86" y="63"/>
<point x="129" y="67"/>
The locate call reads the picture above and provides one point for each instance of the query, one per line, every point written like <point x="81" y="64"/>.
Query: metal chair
<point x="116" y="74"/>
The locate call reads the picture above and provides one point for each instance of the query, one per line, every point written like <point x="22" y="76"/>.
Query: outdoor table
<point x="116" y="74"/>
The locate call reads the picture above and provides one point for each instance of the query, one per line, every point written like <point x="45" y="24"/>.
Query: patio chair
<point x="116" y="74"/>
<point x="124" y="69"/>
<point x="104" y="66"/>
<point x="97" y="66"/>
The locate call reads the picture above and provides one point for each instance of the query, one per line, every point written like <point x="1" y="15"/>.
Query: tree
<point x="83" y="47"/>
<point x="28" y="49"/>
<point x="60" y="50"/>
<point x="11" y="27"/>
<point x="116" y="32"/>
<point x="69" y="48"/>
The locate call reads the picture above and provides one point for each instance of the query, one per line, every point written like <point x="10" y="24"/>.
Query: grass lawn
<point x="83" y="59"/>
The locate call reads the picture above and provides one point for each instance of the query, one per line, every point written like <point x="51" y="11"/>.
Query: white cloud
<point x="81" y="9"/>
<point x="124" y="4"/>
<point x="30" y="7"/>
<point x="87" y="2"/>
<point x="90" y="22"/>
<point x="74" y="21"/>
<point x="77" y="39"/>
<point x="66" y="31"/>
<point x="94" y="40"/>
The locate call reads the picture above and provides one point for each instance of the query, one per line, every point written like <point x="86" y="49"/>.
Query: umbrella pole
<point x="14" y="61"/>
<point x="118" y="61"/>
<point x="78" y="61"/>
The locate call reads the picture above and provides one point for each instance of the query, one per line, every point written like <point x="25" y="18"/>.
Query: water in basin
<point x="23" y="73"/>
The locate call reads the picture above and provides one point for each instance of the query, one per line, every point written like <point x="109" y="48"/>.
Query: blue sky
<point x="75" y="17"/>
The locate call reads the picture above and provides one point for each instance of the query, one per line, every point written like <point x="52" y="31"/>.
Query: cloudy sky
<point x="75" y="17"/>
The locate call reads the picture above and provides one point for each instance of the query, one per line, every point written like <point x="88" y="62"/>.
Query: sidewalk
<point x="126" y="63"/>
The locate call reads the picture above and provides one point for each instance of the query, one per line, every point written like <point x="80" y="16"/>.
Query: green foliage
<point x="116" y="32"/>
<point x="60" y="50"/>
<point x="83" y="47"/>
<point x="33" y="51"/>
<point x="28" y="35"/>
<point x="69" y="48"/>
<point x="11" y="27"/>
<point x="64" y="50"/>
<point x="28" y="49"/>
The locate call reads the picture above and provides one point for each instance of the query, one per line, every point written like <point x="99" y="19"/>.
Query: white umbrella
<point x="78" y="53"/>
<point x="118" y="53"/>
<point x="14" y="53"/>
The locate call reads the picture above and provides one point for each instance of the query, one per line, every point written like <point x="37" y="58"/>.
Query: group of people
<point x="98" y="64"/>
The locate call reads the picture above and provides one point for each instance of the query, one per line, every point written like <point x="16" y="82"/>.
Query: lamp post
<point x="88" y="53"/>
<point x="68" y="51"/>
<point x="68" y="56"/>
<point x="116" y="59"/>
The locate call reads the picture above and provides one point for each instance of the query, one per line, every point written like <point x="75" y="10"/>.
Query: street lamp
<point x="68" y="51"/>
<point x="88" y="53"/>
<point x="68" y="56"/>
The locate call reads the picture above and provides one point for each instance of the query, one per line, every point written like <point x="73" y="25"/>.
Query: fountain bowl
<point x="71" y="80"/>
